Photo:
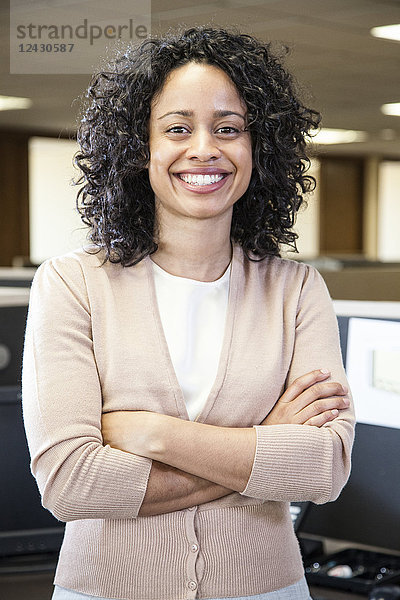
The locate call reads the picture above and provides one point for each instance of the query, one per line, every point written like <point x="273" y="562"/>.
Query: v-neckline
<point x="225" y="348"/>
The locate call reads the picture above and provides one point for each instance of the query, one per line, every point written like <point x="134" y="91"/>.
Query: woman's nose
<point x="203" y="146"/>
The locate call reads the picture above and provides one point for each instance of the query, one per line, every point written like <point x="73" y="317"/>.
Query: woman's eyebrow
<point x="189" y="113"/>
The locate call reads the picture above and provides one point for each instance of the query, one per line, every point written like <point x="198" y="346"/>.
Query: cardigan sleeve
<point x="77" y="476"/>
<point x="303" y="462"/>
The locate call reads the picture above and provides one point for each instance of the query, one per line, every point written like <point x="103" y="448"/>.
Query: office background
<point x="349" y="229"/>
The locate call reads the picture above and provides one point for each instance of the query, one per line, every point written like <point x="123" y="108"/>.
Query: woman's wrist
<point x="148" y="432"/>
<point x="152" y="439"/>
<point x="132" y="431"/>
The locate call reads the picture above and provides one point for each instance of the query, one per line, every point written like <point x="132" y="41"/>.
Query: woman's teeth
<point x="200" y="179"/>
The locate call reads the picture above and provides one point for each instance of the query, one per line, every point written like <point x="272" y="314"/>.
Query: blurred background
<point x="350" y="228"/>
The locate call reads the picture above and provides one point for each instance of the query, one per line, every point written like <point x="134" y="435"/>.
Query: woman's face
<point x="200" y="154"/>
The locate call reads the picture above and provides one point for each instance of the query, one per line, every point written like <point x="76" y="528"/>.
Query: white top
<point x="193" y="318"/>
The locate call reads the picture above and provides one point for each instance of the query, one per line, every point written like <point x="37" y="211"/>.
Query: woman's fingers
<point x="313" y="394"/>
<point x="309" y="400"/>
<point x="322" y="418"/>
<point x="323" y="410"/>
<point x="299" y="385"/>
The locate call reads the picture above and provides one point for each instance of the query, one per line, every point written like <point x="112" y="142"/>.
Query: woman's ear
<point x="147" y="164"/>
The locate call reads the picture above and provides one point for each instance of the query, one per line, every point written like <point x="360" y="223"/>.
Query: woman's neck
<point x="198" y="250"/>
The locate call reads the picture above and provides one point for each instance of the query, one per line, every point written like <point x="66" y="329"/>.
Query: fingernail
<point x="335" y="412"/>
<point x="346" y="401"/>
<point x="325" y="371"/>
<point x="345" y="389"/>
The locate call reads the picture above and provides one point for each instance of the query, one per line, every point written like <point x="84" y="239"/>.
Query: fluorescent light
<point x="14" y="103"/>
<point x="339" y="136"/>
<point x="393" y="108"/>
<point x="388" y="32"/>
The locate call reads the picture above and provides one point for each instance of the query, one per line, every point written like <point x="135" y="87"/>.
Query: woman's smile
<point x="203" y="181"/>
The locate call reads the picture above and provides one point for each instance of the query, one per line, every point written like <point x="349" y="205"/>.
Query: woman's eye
<point x="178" y="129"/>
<point x="228" y="131"/>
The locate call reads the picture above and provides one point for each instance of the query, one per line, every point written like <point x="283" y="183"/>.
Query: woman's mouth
<point x="202" y="182"/>
<point x="200" y="179"/>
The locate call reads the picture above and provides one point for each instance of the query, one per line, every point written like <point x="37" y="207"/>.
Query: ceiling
<point x="346" y="73"/>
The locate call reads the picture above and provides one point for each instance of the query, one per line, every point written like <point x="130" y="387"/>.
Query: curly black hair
<point x="116" y="200"/>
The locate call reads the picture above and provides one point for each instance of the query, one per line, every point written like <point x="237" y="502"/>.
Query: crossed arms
<point x="138" y="462"/>
<point x="194" y="463"/>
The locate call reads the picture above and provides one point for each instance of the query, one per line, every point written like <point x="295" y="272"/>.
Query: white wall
<point x="389" y="211"/>
<point x="307" y="222"/>
<point x="55" y="226"/>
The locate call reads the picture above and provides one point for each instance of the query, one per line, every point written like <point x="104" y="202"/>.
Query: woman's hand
<point x="309" y="401"/>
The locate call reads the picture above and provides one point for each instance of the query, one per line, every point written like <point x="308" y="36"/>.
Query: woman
<point x="182" y="383"/>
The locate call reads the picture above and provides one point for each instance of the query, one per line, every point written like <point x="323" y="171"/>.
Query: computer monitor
<point x="12" y="327"/>
<point x="368" y="509"/>
<point x="26" y="528"/>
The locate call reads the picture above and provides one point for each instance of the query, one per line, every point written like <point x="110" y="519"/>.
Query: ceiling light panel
<point x="14" y="103"/>
<point x="328" y="136"/>
<point x="387" y="32"/>
<point x="393" y="108"/>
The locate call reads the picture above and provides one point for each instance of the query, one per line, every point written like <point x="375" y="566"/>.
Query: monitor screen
<point x="25" y="526"/>
<point x="12" y="328"/>
<point x="368" y="509"/>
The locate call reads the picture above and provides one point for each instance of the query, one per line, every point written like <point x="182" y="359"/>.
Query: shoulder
<point x="85" y="275"/>
<point x="74" y="266"/>
<point x="67" y="273"/>
<point x="286" y="267"/>
<point x="82" y="258"/>
<point x="283" y="280"/>
<point x="299" y="276"/>
<point x="280" y="269"/>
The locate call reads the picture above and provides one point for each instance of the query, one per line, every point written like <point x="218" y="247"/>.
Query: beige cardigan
<point x="95" y="343"/>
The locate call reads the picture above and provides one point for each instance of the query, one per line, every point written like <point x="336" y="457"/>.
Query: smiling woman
<point x="200" y="156"/>
<point x="114" y="136"/>
<point x="173" y="393"/>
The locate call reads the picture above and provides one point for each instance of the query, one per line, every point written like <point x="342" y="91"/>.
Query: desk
<point x="332" y="594"/>
<point x="39" y="586"/>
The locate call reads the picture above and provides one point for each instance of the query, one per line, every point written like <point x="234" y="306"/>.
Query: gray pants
<point x="297" y="591"/>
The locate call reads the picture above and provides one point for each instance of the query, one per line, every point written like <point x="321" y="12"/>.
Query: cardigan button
<point x="194" y="547"/>
<point x="192" y="585"/>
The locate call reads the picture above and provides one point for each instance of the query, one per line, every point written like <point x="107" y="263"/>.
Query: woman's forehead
<point x="198" y="85"/>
